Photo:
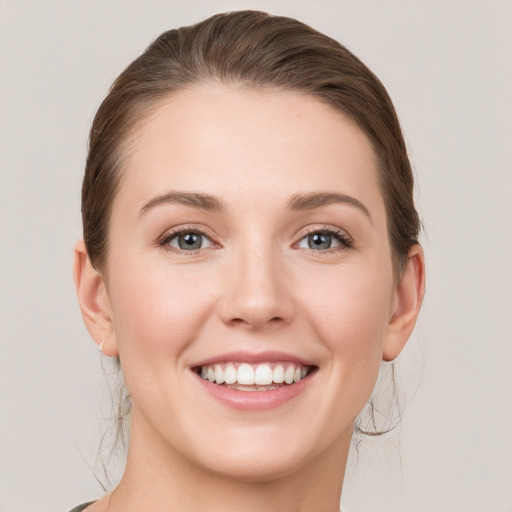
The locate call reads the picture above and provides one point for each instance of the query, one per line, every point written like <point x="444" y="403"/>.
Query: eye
<point x="323" y="240"/>
<point x="187" y="240"/>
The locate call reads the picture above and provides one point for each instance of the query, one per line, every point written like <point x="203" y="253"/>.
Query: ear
<point x="406" y="304"/>
<point x="94" y="302"/>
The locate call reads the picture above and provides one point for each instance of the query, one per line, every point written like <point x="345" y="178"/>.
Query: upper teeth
<point x="248" y="374"/>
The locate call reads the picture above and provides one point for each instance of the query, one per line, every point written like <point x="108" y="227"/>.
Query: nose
<point x="257" y="293"/>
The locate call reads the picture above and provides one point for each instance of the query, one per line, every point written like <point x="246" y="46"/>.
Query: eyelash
<point x="341" y="236"/>
<point x="164" y="242"/>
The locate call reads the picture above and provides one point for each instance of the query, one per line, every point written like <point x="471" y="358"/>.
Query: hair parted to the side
<point x="256" y="50"/>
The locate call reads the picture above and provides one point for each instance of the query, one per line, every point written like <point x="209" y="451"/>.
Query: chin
<point x="264" y="456"/>
<point x="249" y="469"/>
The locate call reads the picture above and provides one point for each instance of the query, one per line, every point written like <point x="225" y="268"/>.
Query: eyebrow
<point x="211" y="203"/>
<point x="318" y="199"/>
<point x="193" y="199"/>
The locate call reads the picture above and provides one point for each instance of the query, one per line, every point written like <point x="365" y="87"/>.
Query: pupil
<point x="190" y="241"/>
<point x="319" y="241"/>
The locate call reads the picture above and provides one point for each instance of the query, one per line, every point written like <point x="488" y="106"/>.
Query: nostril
<point x="276" y="320"/>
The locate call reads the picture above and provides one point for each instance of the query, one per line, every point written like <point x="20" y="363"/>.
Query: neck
<point x="155" y="477"/>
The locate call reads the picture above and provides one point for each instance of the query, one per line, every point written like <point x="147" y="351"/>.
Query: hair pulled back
<point x="254" y="49"/>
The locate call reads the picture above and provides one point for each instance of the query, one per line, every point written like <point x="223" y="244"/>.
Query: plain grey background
<point x="448" y="67"/>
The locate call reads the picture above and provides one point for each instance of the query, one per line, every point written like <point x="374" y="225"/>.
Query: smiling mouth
<point x="254" y="377"/>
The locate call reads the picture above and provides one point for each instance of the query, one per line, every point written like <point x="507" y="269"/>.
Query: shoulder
<point x="81" y="507"/>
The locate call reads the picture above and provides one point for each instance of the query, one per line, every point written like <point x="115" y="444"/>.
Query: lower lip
<point x="254" y="400"/>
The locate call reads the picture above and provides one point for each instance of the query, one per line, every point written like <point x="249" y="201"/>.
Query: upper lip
<point x="254" y="358"/>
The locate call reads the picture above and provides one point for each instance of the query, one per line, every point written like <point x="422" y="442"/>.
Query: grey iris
<point x="319" y="241"/>
<point x="189" y="241"/>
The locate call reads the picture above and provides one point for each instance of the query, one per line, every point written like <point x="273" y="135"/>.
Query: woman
<point x="251" y="255"/>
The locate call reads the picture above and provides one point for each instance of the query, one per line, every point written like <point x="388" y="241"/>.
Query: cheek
<point x="157" y="311"/>
<point x="158" y="315"/>
<point x="349" y="310"/>
<point x="350" y="302"/>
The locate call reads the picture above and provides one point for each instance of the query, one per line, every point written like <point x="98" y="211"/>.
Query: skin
<point x="256" y="285"/>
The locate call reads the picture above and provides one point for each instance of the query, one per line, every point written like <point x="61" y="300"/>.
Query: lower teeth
<point x="241" y="387"/>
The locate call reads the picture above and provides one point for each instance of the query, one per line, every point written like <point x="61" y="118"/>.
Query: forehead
<point x="232" y="141"/>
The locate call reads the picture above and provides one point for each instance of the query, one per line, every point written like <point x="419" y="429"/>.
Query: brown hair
<point x="257" y="50"/>
<point x="253" y="49"/>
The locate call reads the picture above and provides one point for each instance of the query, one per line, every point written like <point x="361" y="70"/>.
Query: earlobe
<point x="408" y="298"/>
<point x="94" y="301"/>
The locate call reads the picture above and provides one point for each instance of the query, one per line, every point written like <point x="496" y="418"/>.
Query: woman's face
<point x="248" y="241"/>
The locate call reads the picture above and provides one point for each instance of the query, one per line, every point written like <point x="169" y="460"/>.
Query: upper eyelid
<point x="308" y="230"/>
<point x="193" y="228"/>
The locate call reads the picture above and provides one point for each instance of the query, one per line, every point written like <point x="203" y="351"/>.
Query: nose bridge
<point x="258" y="293"/>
